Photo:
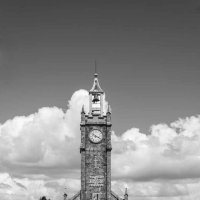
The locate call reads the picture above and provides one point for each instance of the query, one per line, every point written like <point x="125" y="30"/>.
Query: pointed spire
<point x="96" y="86"/>
<point x="83" y="110"/>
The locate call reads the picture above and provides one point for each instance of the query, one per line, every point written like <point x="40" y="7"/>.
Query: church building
<point x="95" y="150"/>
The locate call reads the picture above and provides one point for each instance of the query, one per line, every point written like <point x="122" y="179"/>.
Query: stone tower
<point x="96" y="149"/>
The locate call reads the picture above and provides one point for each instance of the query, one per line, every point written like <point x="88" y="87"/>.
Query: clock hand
<point x="97" y="136"/>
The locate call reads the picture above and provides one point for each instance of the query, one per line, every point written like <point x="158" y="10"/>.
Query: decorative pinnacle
<point x="109" y="109"/>
<point x="83" y="110"/>
<point x="126" y="191"/>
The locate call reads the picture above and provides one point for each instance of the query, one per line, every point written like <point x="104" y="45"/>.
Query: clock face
<point x="95" y="136"/>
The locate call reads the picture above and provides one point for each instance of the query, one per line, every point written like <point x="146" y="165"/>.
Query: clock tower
<point x="95" y="149"/>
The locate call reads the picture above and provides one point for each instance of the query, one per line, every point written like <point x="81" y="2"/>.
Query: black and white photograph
<point x="100" y="100"/>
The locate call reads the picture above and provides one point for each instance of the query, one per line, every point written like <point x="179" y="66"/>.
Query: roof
<point x="115" y="196"/>
<point x="76" y="196"/>
<point x="96" y="86"/>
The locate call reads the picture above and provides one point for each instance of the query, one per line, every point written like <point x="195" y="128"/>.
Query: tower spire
<point x="95" y="65"/>
<point x="96" y="96"/>
<point x="96" y="86"/>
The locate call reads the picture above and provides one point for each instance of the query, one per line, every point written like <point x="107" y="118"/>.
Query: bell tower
<point x="95" y="147"/>
<point x="96" y="98"/>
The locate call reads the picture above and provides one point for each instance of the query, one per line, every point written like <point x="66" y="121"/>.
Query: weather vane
<point x="95" y="65"/>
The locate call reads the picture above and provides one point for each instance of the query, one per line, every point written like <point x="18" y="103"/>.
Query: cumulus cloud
<point x="169" y="152"/>
<point x="39" y="155"/>
<point x="41" y="142"/>
<point x="25" y="189"/>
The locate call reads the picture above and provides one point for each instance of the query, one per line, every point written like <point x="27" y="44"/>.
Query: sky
<point x="147" y="55"/>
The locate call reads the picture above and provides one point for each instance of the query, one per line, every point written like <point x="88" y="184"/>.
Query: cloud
<point x="25" y="189"/>
<point x="152" y="190"/>
<point x="44" y="142"/>
<point x="39" y="155"/>
<point x="169" y="152"/>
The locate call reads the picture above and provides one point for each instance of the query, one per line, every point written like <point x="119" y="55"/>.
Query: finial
<point x="109" y="109"/>
<point x="95" y="65"/>
<point x="83" y="110"/>
<point x="126" y="191"/>
<point x="126" y="194"/>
